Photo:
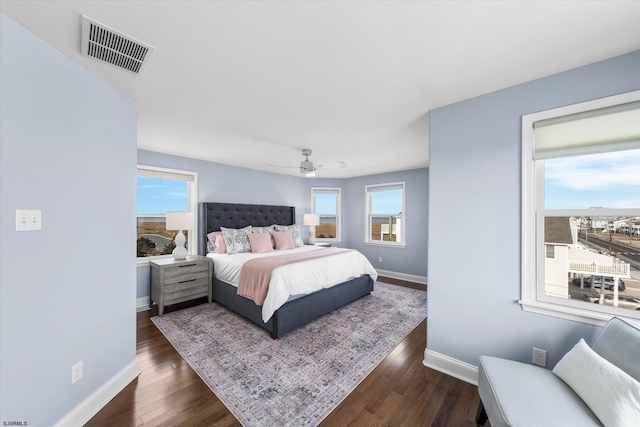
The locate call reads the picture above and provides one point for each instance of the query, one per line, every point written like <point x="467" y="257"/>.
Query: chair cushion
<point x="619" y="343"/>
<point x="518" y="394"/>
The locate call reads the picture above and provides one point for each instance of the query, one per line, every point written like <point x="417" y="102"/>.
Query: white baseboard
<point x="450" y="366"/>
<point x="98" y="400"/>
<point x="142" y="304"/>
<point x="403" y="276"/>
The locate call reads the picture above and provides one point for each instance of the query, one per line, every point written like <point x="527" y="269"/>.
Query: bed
<point x="295" y="312"/>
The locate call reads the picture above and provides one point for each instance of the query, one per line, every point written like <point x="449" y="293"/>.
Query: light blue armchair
<point x="519" y="394"/>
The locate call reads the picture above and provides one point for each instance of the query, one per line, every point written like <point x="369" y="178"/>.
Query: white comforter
<point x="295" y="279"/>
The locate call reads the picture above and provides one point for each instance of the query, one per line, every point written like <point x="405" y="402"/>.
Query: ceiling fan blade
<point x="333" y="165"/>
<point x="280" y="166"/>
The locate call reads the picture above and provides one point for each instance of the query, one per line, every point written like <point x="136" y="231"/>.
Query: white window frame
<point x="338" y="191"/>
<point x="368" y="216"/>
<point x="533" y="298"/>
<point x="192" y="205"/>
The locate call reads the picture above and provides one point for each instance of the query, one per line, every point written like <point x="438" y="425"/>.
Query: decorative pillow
<point x="260" y="242"/>
<point x="283" y="239"/>
<point x="295" y="232"/>
<point x="237" y="240"/>
<point x="215" y="242"/>
<point x="612" y="394"/>
<point x="210" y="241"/>
<point x="268" y="230"/>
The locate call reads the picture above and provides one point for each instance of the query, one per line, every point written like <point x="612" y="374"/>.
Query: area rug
<point x="298" y="379"/>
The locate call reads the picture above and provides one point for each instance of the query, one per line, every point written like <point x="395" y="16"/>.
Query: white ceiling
<point x="249" y="83"/>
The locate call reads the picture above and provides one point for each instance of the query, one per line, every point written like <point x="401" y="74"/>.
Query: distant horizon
<point x="609" y="180"/>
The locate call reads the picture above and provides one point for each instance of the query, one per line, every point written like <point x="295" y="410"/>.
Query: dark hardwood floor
<point x="401" y="391"/>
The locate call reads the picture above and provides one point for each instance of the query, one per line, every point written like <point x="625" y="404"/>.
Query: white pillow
<point x="611" y="394"/>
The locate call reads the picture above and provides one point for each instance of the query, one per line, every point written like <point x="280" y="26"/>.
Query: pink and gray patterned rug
<point x="300" y="378"/>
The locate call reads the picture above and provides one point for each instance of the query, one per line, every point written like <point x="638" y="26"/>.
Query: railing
<point x="618" y="268"/>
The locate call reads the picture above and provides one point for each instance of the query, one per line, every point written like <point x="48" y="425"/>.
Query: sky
<point x="386" y="202"/>
<point x="383" y="202"/>
<point x="610" y="180"/>
<point x="158" y="195"/>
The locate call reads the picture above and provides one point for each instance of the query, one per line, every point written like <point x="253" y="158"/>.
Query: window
<point x="385" y="214"/>
<point x="326" y="202"/>
<point x="551" y="251"/>
<point x="158" y="191"/>
<point x="581" y="210"/>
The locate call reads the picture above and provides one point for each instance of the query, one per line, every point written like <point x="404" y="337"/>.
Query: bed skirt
<point x="295" y="312"/>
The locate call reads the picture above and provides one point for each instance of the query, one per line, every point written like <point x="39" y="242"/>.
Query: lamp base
<point x="180" y="252"/>
<point x="311" y="240"/>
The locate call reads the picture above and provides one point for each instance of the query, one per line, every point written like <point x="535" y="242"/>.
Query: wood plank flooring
<point x="401" y="391"/>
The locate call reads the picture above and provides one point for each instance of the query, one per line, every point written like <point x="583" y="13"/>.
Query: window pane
<point x="610" y="180"/>
<point x="590" y="251"/>
<point x="326" y="204"/>
<point x="155" y="197"/>
<point x="386" y="202"/>
<point x="386" y="228"/>
<point x="327" y="227"/>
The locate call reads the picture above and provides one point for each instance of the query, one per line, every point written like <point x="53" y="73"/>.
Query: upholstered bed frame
<point x="212" y="216"/>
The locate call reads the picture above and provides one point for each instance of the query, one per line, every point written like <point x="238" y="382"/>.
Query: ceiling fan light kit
<point x="306" y="166"/>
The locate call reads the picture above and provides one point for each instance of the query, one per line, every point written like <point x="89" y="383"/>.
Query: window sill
<point x="140" y="262"/>
<point x="569" y="313"/>
<point x="386" y="245"/>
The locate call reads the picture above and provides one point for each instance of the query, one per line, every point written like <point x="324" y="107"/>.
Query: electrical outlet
<point x="379" y="259"/>
<point x="76" y="372"/>
<point x="539" y="357"/>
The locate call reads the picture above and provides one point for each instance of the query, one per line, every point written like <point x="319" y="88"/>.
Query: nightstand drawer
<point x="184" y="277"/>
<point x="191" y="289"/>
<point x="186" y="269"/>
<point x="185" y="284"/>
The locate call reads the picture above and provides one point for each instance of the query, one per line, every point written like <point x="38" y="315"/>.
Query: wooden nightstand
<point x="174" y="281"/>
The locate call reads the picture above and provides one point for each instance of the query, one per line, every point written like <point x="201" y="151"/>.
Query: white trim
<point x="338" y="191"/>
<point x="368" y="214"/>
<point x="144" y="261"/>
<point x="386" y="245"/>
<point x="82" y="413"/>
<point x="566" y="312"/>
<point x="532" y="245"/>
<point x="450" y="366"/>
<point x="403" y="276"/>
<point x="142" y="304"/>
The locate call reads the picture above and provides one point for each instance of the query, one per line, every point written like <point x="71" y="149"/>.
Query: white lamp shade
<point x="180" y="220"/>
<point x="311" y="219"/>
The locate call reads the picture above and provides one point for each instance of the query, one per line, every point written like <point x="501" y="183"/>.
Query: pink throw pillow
<point x="219" y="245"/>
<point x="283" y="239"/>
<point x="260" y="242"/>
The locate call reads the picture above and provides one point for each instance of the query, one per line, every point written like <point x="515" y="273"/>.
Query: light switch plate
<point x="28" y="220"/>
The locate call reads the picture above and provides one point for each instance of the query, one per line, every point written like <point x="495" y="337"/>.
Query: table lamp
<point x="178" y="221"/>
<point x="311" y="220"/>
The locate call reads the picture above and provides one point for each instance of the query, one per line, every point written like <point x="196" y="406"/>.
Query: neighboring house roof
<point x="557" y="229"/>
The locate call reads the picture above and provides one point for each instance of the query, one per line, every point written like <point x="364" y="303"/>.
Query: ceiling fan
<point x="308" y="169"/>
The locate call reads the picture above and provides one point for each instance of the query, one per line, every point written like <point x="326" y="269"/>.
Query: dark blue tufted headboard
<point x="212" y="216"/>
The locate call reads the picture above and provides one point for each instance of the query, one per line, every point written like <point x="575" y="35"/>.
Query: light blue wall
<point x="411" y="259"/>
<point x="474" y="217"/>
<point x="68" y="148"/>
